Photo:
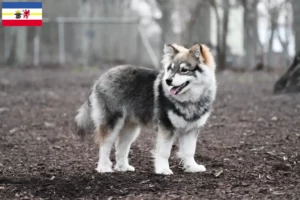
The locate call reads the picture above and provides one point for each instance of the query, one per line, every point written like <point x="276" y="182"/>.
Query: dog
<point x="176" y="101"/>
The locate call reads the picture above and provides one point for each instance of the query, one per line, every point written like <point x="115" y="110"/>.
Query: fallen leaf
<point x="13" y="130"/>
<point x="218" y="173"/>
<point x="277" y="193"/>
<point x="49" y="125"/>
<point x="3" y="109"/>
<point x="146" y="181"/>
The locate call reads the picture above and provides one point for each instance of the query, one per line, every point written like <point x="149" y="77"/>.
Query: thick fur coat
<point x="175" y="101"/>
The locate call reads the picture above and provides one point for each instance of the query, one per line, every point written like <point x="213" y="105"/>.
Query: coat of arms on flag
<point x="22" y="14"/>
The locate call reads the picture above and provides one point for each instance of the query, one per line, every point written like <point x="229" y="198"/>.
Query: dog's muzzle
<point x="177" y="89"/>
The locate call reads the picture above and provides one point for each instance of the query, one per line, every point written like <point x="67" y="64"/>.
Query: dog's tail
<point x="83" y="120"/>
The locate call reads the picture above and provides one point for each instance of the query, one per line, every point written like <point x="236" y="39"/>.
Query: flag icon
<point x="22" y="14"/>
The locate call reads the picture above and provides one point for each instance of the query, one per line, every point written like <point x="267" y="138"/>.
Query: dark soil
<point x="250" y="146"/>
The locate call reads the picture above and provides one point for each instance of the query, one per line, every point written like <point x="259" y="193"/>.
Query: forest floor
<point x="250" y="145"/>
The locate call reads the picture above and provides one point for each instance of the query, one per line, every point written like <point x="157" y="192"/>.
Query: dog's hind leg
<point x="107" y="128"/>
<point x="128" y="134"/>
<point x="107" y="137"/>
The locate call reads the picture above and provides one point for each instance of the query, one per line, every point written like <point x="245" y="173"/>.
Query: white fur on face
<point x="195" y="88"/>
<point x="179" y="79"/>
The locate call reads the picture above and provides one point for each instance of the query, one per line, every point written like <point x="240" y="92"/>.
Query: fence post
<point x="61" y="40"/>
<point x="36" y="47"/>
<point x="149" y="48"/>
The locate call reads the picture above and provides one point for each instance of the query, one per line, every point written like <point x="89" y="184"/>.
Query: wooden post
<point x="21" y="50"/>
<point x="36" y="47"/>
<point x="149" y="48"/>
<point x="61" y="41"/>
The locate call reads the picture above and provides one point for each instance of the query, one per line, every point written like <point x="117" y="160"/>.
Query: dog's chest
<point x="179" y="122"/>
<point x="189" y="115"/>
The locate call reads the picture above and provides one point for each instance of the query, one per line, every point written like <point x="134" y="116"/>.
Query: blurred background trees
<point x="243" y="34"/>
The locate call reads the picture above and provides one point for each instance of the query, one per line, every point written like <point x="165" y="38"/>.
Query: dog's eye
<point x="183" y="70"/>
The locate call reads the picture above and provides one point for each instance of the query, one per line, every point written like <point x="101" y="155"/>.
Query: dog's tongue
<point x="174" y="90"/>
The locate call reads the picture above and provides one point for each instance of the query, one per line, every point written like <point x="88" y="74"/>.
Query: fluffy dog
<point x="176" y="101"/>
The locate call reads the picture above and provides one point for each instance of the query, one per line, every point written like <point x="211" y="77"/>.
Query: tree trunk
<point x="296" y="15"/>
<point x="270" y="46"/>
<point x="196" y="30"/>
<point x="290" y="80"/>
<point x="285" y="46"/>
<point x="250" y="32"/>
<point x="85" y="8"/>
<point x="10" y="45"/>
<point x="218" y="33"/>
<point x="223" y="45"/>
<point x="200" y="32"/>
<point x="165" y="22"/>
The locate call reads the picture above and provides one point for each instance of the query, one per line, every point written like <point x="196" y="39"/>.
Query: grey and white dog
<point x="176" y="101"/>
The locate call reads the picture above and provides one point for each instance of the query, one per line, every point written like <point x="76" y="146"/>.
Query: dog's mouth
<point x="177" y="89"/>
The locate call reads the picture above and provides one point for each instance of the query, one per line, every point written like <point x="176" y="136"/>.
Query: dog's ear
<point x="195" y="51"/>
<point x="202" y="53"/>
<point x="170" y="51"/>
<point x="208" y="57"/>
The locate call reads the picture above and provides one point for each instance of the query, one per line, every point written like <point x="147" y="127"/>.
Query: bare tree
<point x="251" y="38"/>
<point x="296" y="16"/>
<point x="9" y="46"/>
<point x="16" y="43"/>
<point x="287" y="27"/>
<point x="193" y="8"/>
<point x="273" y="11"/>
<point x="166" y="7"/>
<point x="222" y="31"/>
<point x="274" y="8"/>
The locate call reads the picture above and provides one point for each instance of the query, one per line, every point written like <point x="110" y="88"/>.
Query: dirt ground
<point x="250" y="146"/>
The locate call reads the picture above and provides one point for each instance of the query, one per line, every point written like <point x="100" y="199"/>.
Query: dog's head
<point x="187" y="68"/>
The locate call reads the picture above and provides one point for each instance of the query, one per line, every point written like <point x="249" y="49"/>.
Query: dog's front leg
<point x="164" y="142"/>
<point x="187" y="148"/>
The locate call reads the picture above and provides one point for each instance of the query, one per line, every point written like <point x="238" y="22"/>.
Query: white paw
<point x="104" y="169"/>
<point x="195" y="168"/>
<point x="164" y="171"/>
<point x="124" y="168"/>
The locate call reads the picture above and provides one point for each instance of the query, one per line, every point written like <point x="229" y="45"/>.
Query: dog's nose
<point x="169" y="81"/>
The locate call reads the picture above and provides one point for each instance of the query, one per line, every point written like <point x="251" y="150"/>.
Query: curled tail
<point x="83" y="120"/>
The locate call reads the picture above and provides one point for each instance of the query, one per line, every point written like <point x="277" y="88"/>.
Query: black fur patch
<point x="197" y="68"/>
<point x="113" y="118"/>
<point x="202" y="106"/>
<point x="163" y="106"/>
<point x="142" y="91"/>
